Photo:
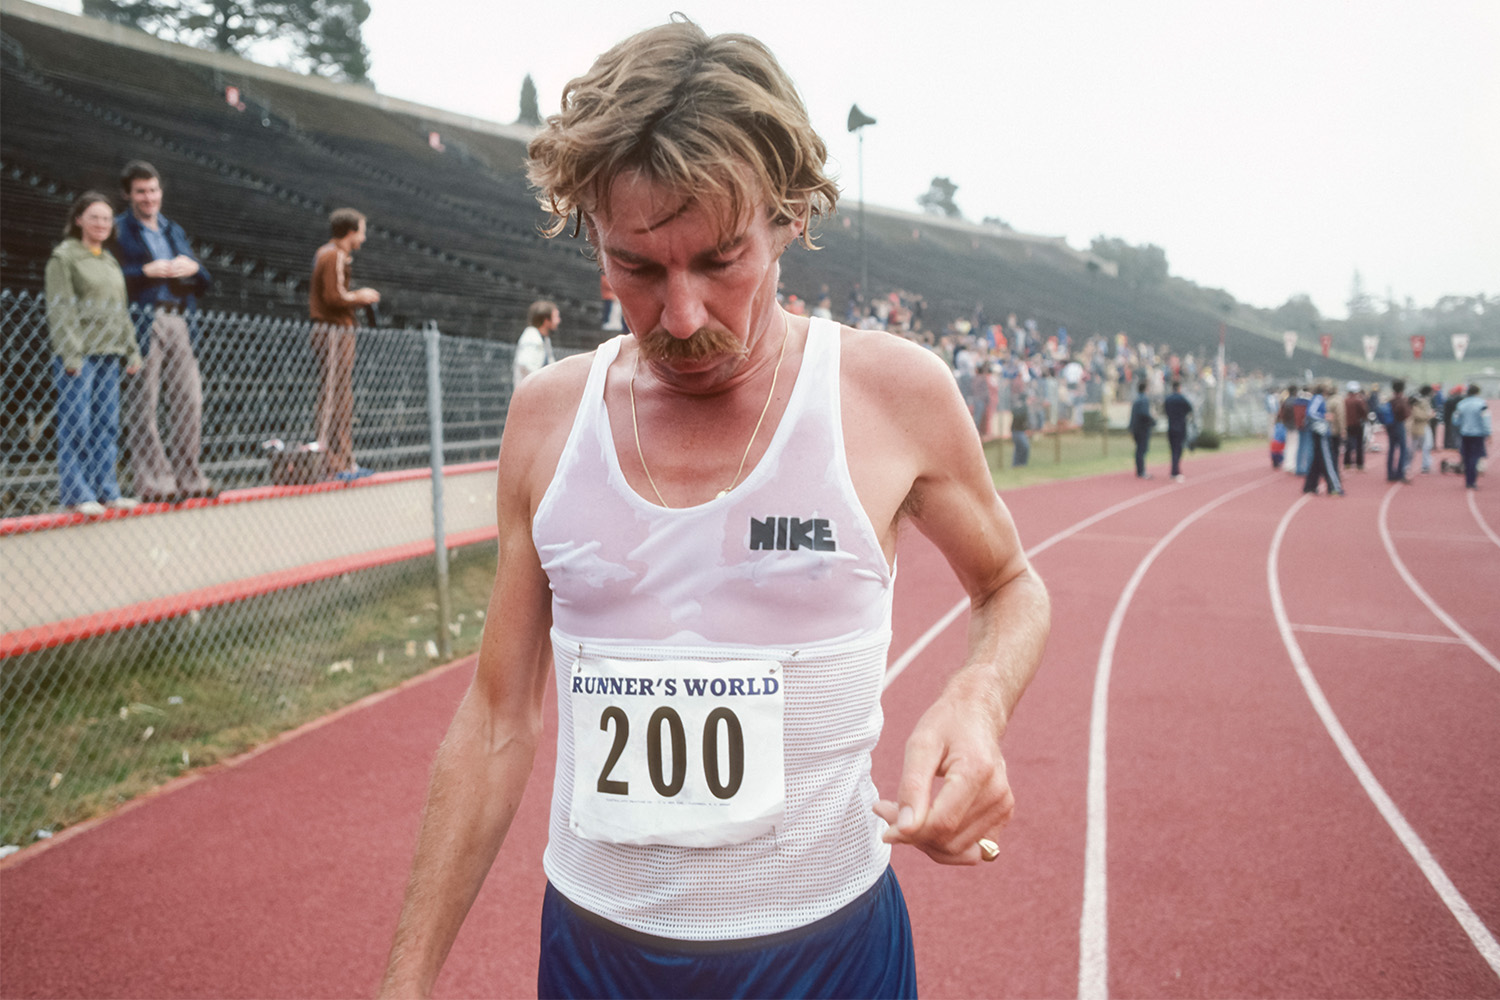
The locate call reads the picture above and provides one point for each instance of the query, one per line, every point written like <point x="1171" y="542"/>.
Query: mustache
<point x="707" y="342"/>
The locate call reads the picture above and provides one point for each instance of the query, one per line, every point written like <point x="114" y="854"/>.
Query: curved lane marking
<point x="1478" y="933"/>
<point x="1093" y="931"/>
<point x="1474" y="509"/>
<point x="1416" y="588"/>
<point x="926" y="638"/>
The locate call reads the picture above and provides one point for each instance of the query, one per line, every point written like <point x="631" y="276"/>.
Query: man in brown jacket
<point x="1355" y="412"/>
<point x="333" y="305"/>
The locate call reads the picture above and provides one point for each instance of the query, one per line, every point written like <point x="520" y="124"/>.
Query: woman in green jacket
<point x="91" y="335"/>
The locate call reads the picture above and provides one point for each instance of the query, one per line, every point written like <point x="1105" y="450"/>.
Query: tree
<point x="333" y="41"/>
<point x="938" y="199"/>
<point x="1141" y="266"/>
<point x="325" y="35"/>
<point x="1298" y="313"/>
<point x="530" y="113"/>
<point x="1361" y="303"/>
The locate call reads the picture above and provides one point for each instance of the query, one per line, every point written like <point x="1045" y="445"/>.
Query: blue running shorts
<point x="863" y="949"/>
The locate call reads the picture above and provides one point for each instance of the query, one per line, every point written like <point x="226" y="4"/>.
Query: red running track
<point x="1255" y="763"/>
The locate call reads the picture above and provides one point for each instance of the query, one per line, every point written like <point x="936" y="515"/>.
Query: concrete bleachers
<point x="255" y="188"/>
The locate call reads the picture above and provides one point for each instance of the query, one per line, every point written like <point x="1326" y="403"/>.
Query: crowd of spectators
<point x="1317" y="429"/>
<point x="1015" y="373"/>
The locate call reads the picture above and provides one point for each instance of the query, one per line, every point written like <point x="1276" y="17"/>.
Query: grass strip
<point x="90" y="725"/>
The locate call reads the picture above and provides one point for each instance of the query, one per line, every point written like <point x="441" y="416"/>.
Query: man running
<point x="697" y="535"/>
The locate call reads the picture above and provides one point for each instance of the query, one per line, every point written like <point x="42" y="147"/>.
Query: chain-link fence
<point x="281" y="559"/>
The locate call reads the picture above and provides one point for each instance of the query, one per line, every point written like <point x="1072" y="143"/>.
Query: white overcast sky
<point x="1270" y="147"/>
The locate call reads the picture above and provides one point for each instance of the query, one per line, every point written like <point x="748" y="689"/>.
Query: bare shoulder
<point x="541" y="414"/>
<point x="557" y="384"/>
<point x="907" y="431"/>
<point x="889" y="379"/>
<point x="874" y="356"/>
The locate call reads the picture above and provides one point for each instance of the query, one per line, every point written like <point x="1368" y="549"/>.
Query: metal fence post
<point x="439" y="528"/>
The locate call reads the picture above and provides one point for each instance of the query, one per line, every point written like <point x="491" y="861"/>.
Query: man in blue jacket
<point x="1141" y="422"/>
<point x="164" y="279"/>
<point x="1178" y="408"/>
<point x="1472" y="419"/>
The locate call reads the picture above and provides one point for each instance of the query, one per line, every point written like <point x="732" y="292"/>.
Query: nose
<point x="683" y="313"/>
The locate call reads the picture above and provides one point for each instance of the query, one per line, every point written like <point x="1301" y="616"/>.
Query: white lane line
<point x="916" y="648"/>
<point x="1093" y="931"/>
<point x="1365" y="633"/>
<point x="1474" y="509"/>
<point x="1416" y="588"/>
<point x="1480" y="935"/>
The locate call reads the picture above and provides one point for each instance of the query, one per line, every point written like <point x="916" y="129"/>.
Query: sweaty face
<point x="700" y="295"/>
<point x="145" y="198"/>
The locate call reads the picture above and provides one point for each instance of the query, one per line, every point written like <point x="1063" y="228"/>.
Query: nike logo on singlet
<point x="792" y="533"/>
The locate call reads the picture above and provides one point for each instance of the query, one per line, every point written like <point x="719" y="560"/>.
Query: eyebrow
<point x="630" y="257"/>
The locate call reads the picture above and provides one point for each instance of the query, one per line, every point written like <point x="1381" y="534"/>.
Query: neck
<point x="91" y="244"/>
<point x="147" y="220"/>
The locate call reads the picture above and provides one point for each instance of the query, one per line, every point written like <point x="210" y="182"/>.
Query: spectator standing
<point x="334" y="304"/>
<point x="163" y="279"/>
<point x="1471" y="418"/>
<point x="1304" y="436"/>
<point x="1020" y="425"/>
<point x="1451" y="439"/>
<point x="1420" y="425"/>
<point x="91" y="332"/>
<point x="1141" y="422"/>
<point x="614" y="320"/>
<point x="534" y="348"/>
<point x="1287" y="417"/>
<point x="1275" y="406"/>
<point x="1320" y="464"/>
<point x="1177" y="408"/>
<point x="1397" y="454"/>
<point x="1338" y="416"/>
<point x="966" y="363"/>
<point x="1356" y="415"/>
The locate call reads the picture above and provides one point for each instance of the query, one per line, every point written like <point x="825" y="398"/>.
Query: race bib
<point x="676" y="752"/>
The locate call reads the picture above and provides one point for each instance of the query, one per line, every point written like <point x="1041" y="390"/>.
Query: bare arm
<point x="953" y="502"/>
<point x="486" y="758"/>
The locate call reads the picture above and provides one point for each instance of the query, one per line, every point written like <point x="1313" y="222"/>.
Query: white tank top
<point x="787" y="568"/>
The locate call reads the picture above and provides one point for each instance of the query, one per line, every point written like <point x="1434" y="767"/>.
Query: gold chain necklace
<point x="636" y="427"/>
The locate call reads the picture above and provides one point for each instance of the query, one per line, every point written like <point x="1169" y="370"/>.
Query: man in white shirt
<point x="534" y="349"/>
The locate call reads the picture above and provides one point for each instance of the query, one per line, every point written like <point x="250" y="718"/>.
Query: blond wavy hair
<point x="715" y="118"/>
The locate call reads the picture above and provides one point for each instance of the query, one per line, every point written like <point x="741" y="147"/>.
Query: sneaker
<point x="349" y="475"/>
<point x="123" y="503"/>
<point x="89" y="508"/>
<point x="1179" y="478"/>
